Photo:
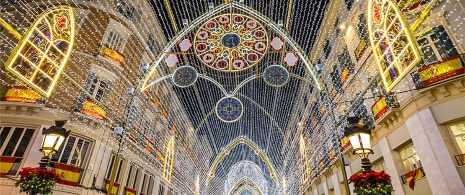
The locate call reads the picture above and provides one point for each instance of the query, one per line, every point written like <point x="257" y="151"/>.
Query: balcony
<point x="383" y="104"/>
<point x="112" y="55"/>
<point x="92" y="109"/>
<point x="22" y="94"/>
<point x="440" y="71"/>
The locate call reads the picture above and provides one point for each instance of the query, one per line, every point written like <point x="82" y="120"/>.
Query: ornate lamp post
<point x="52" y="139"/>
<point x="360" y="139"/>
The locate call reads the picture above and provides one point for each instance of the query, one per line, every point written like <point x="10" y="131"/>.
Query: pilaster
<point x="435" y="157"/>
<point x="392" y="169"/>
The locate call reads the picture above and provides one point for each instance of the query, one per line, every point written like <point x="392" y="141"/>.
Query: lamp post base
<point x="366" y="165"/>
<point x="44" y="162"/>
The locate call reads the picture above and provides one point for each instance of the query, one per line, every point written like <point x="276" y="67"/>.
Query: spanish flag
<point x="114" y="189"/>
<point x="69" y="175"/>
<point x="129" y="191"/>
<point x="6" y="162"/>
<point x="412" y="176"/>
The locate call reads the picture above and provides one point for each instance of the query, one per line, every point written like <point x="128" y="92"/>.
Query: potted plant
<point x="372" y="183"/>
<point x="36" y="180"/>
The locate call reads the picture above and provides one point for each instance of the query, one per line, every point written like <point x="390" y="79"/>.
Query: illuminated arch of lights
<point x="212" y="13"/>
<point x="232" y="145"/>
<point x="245" y="181"/>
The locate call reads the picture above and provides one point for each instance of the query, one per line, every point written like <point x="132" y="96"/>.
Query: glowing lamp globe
<point x="53" y="137"/>
<point x="359" y="136"/>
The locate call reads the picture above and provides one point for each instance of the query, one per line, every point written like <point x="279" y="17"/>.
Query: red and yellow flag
<point x="412" y="176"/>
<point x="129" y="191"/>
<point x="114" y="189"/>
<point x="6" y="162"/>
<point x="69" y="175"/>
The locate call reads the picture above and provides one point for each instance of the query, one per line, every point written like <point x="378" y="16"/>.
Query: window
<point x="410" y="157"/>
<point x="327" y="48"/>
<point x="129" y="179"/>
<point x="136" y="179"/>
<point x="97" y="87"/>
<point x="458" y="134"/>
<point x="336" y="79"/>
<point x="336" y="26"/>
<point x="152" y="44"/>
<point x="344" y="59"/>
<point x="436" y="46"/>
<point x="349" y="4"/>
<point x="363" y="28"/>
<point x="14" y="141"/>
<point x="114" y="39"/>
<point x="110" y="168"/>
<point x="161" y="189"/>
<point x="73" y="151"/>
<point x="379" y="165"/>
<point x="127" y="10"/>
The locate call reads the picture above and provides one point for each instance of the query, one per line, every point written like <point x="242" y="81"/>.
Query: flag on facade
<point x="69" y="175"/>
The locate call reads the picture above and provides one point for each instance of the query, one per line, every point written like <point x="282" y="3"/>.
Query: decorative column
<point x="390" y="160"/>
<point x="325" y="187"/>
<point x="433" y="153"/>
<point x="336" y="183"/>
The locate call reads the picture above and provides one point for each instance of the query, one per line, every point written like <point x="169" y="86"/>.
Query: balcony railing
<point x="92" y="109"/>
<point x="112" y="54"/>
<point x="415" y="174"/>
<point x="460" y="159"/>
<point x="9" y="165"/>
<point x="21" y="94"/>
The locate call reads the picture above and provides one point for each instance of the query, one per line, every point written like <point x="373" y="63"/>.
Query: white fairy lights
<point x="277" y="120"/>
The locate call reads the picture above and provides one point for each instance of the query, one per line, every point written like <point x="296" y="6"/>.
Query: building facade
<point x="419" y="125"/>
<point x="97" y="96"/>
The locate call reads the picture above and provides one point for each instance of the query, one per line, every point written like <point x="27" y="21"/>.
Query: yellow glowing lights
<point x="169" y="160"/>
<point x="232" y="145"/>
<point x="41" y="55"/>
<point x="393" y="45"/>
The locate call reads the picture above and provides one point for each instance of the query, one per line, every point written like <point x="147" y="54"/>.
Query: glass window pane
<point x="129" y="176"/>
<point x="9" y="149"/>
<point x="68" y="150"/>
<point x="3" y="135"/>
<point x="135" y="179"/>
<point x="110" y="167"/>
<point x="119" y="170"/>
<point x="24" y="142"/>
<point x="84" y="151"/>
<point x="76" y="155"/>
<point x="429" y="55"/>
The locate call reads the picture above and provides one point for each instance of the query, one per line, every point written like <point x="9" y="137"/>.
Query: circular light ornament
<point x="276" y="75"/>
<point x="229" y="109"/>
<point x="185" y="76"/>
<point x="231" y="38"/>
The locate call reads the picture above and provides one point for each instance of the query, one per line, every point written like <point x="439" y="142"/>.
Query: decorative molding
<point x="459" y="85"/>
<point x="443" y="91"/>
<point x="430" y="96"/>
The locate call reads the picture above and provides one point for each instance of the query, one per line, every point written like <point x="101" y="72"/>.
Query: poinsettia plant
<point x="36" y="180"/>
<point x="372" y="183"/>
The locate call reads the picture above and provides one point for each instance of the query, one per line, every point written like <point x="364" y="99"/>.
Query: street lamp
<point x="52" y="139"/>
<point x="359" y="136"/>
